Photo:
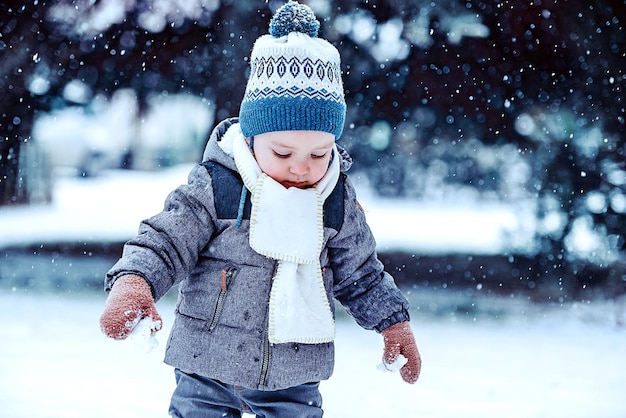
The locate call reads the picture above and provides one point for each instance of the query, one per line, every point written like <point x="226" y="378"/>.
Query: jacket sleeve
<point x="361" y="285"/>
<point x="168" y="244"/>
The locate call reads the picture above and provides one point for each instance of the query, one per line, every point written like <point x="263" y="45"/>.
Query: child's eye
<point x="279" y="155"/>
<point x="317" y="156"/>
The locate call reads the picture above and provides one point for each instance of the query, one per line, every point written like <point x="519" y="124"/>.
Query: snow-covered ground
<point x="528" y="361"/>
<point x="566" y="362"/>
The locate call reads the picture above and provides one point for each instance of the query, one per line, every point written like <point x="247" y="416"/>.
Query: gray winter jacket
<point x="220" y="327"/>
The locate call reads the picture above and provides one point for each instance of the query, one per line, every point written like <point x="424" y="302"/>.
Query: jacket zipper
<point x="266" y="361"/>
<point x="227" y="278"/>
<point x="266" y="348"/>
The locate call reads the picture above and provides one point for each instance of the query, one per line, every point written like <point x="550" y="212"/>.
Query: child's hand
<point x="130" y="300"/>
<point x="399" y="340"/>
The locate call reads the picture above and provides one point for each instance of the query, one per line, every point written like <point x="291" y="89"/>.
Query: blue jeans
<point x="200" y="397"/>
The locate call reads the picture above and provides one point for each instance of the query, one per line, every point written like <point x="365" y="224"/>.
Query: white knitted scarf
<point x="287" y="225"/>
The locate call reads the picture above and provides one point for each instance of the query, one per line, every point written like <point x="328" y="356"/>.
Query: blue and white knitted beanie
<point x="295" y="78"/>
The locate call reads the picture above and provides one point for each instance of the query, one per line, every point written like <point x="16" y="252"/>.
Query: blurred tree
<point x="21" y="29"/>
<point x="47" y="45"/>
<point x="547" y="76"/>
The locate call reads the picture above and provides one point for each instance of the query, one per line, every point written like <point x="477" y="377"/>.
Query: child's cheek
<point x="321" y="170"/>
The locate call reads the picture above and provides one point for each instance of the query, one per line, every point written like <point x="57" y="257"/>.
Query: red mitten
<point x="130" y="300"/>
<point x="398" y="340"/>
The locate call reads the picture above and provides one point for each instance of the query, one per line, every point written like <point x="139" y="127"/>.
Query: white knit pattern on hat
<point x="294" y="65"/>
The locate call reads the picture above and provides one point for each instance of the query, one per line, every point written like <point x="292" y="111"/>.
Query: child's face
<point x="294" y="158"/>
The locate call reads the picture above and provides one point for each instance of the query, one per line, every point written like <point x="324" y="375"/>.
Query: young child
<point x="265" y="235"/>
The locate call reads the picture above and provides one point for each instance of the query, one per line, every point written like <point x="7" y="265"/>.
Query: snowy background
<point x="509" y="358"/>
<point x="108" y="208"/>
<point x="479" y="128"/>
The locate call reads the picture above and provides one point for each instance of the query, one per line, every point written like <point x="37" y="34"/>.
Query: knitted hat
<point x="295" y="78"/>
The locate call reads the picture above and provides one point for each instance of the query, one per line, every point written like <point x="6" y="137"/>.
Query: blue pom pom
<point x="294" y="17"/>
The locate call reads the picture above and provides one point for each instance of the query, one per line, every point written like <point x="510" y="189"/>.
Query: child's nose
<point x="299" y="168"/>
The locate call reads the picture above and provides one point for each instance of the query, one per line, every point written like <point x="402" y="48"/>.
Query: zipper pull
<point x="224" y="280"/>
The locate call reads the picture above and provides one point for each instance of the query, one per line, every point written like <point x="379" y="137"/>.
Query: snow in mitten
<point x="129" y="301"/>
<point x="399" y="340"/>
